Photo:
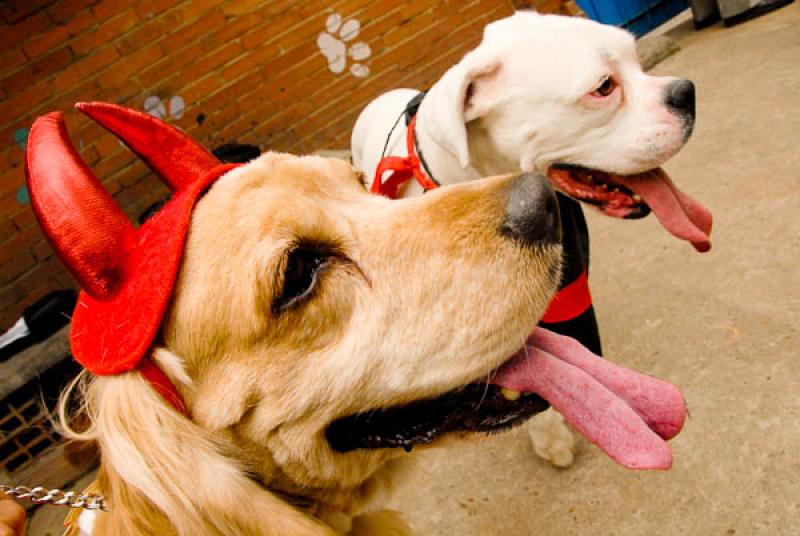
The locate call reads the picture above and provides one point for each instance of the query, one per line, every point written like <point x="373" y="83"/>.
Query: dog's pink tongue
<point x="678" y="213"/>
<point x="625" y="413"/>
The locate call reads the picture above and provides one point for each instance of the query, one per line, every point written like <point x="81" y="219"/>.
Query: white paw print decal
<point x="336" y="50"/>
<point x="155" y="107"/>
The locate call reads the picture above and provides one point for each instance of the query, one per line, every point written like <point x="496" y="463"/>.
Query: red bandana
<point x="404" y="169"/>
<point x="126" y="274"/>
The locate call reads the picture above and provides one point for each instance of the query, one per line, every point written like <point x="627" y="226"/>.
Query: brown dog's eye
<point x="606" y="88"/>
<point x="299" y="276"/>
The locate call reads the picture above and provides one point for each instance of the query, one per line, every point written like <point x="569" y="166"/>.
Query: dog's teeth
<point x="637" y="198"/>
<point x="510" y="394"/>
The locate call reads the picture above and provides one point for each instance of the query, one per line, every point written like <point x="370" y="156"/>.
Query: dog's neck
<point x="444" y="165"/>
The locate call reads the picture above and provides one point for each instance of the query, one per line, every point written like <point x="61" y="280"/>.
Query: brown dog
<point x="303" y="300"/>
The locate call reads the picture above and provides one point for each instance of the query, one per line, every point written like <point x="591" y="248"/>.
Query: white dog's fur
<point x="522" y="101"/>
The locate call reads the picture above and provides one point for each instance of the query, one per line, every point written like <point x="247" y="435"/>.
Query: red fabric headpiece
<point x="126" y="274"/>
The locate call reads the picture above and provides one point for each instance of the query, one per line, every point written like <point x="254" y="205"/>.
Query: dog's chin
<point x="476" y="407"/>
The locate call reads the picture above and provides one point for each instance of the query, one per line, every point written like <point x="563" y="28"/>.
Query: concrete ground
<point x="723" y="326"/>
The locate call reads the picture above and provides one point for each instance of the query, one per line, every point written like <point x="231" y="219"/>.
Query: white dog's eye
<point x="300" y="272"/>
<point x="606" y="88"/>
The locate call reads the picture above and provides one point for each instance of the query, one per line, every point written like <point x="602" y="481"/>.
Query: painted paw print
<point x="333" y="45"/>
<point x="155" y="107"/>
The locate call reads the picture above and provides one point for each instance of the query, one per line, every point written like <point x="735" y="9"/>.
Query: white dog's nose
<point x="532" y="214"/>
<point x="680" y="97"/>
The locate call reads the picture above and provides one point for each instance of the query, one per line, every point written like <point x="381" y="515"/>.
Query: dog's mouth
<point x="627" y="414"/>
<point x="633" y="196"/>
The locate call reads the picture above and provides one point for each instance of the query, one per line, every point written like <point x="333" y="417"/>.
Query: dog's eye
<point x="606" y="88"/>
<point x="300" y="273"/>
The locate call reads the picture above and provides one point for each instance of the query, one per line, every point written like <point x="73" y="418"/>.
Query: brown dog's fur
<point x="417" y="298"/>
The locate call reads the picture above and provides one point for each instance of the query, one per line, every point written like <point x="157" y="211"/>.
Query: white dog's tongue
<point x="678" y="213"/>
<point x="627" y="414"/>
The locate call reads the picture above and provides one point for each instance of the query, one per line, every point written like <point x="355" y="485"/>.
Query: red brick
<point x="23" y="219"/>
<point x="213" y="61"/>
<point x="11" y="58"/>
<point x="130" y="65"/>
<point x="106" y="167"/>
<point x="189" y="33"/>
<point x="7" y="230"/>
<point x="233" y="28"/>
<point x="20" y="263"/>
<point x="88" y="66"/>
<point x="249" y="62"/>
<point x="11" y="180"/>
<point x="147" y="9"/>
<point x="216" y="101"/>
<point x="197" y="8"/>
<point x="105" y="32"/>
<point x="55" y="37"/>
<point x="24" y="78"/>
<point x="32" y="285"/>
<point x="274" y="29"/>
<point x="201" y="88"/>
<point x="26" y="29"/>
<point x="13" y="12"/>
<point x="19" y="242"/>
<point x="235" y="8"/>
<point x="42" y="250"/>
<point x="64" y="10"/>
<point x="122" y="93"/>
<point x="148" y="33"/>
<point x="107" y="9"/>
<point x="22" y="103"/>
<point x="165" y="72"/>
<point x="87" y="91"/>
<point x="132" y="174"/>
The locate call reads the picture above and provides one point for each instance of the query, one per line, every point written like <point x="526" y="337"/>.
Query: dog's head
<point x="567" y="97"/>
<point x="303" y="299"/>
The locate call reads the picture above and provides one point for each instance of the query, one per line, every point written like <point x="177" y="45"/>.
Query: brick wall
<point x="249" y="71"/>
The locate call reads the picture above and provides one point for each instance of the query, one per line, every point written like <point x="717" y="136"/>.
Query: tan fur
<point x="424" y="295"/>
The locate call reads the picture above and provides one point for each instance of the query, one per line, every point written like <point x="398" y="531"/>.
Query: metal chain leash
<point x="72" y="499"/>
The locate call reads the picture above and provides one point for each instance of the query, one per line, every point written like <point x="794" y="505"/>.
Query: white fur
<point x="520" y="102"/>
<point x="528" y="107"/>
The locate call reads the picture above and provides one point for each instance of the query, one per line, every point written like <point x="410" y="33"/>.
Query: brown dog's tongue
<point x="678" y="213"/>
<point x="625" y="413"/>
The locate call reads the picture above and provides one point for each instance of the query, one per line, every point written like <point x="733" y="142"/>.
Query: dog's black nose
<point x="680" y="97"/>
<point x="532" y="211"/>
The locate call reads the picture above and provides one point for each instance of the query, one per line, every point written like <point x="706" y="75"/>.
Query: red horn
<point x="85" y="226"/>
<point x="174" y="156"/>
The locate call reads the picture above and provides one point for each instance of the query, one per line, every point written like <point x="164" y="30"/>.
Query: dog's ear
<point x="463" y="94"/>
<point x="164" y="474"/>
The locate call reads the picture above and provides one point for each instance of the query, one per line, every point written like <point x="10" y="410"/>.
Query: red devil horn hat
<point x="126" y="274"/>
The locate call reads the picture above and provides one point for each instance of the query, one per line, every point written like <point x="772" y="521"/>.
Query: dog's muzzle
<point x="532" y="215"/>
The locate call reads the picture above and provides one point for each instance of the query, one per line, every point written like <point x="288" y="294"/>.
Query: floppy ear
<point x="164" y="474"/>
<point x="460" y="96"/>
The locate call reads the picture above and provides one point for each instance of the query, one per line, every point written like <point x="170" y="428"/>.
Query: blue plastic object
<point x="637" y="16"/>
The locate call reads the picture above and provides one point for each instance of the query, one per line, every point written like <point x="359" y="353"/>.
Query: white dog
<point x="562" y="96"/>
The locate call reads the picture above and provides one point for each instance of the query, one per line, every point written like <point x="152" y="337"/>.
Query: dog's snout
<point x="680" y="97"/>
<point x="532" y="214"/>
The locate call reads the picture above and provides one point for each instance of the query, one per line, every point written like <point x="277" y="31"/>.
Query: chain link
<point x="40" y="495"/>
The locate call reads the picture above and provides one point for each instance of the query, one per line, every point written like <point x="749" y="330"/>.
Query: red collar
<point x="403" y="169"/>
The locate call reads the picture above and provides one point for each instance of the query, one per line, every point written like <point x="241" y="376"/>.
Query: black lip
<point x="474" y="408"/>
